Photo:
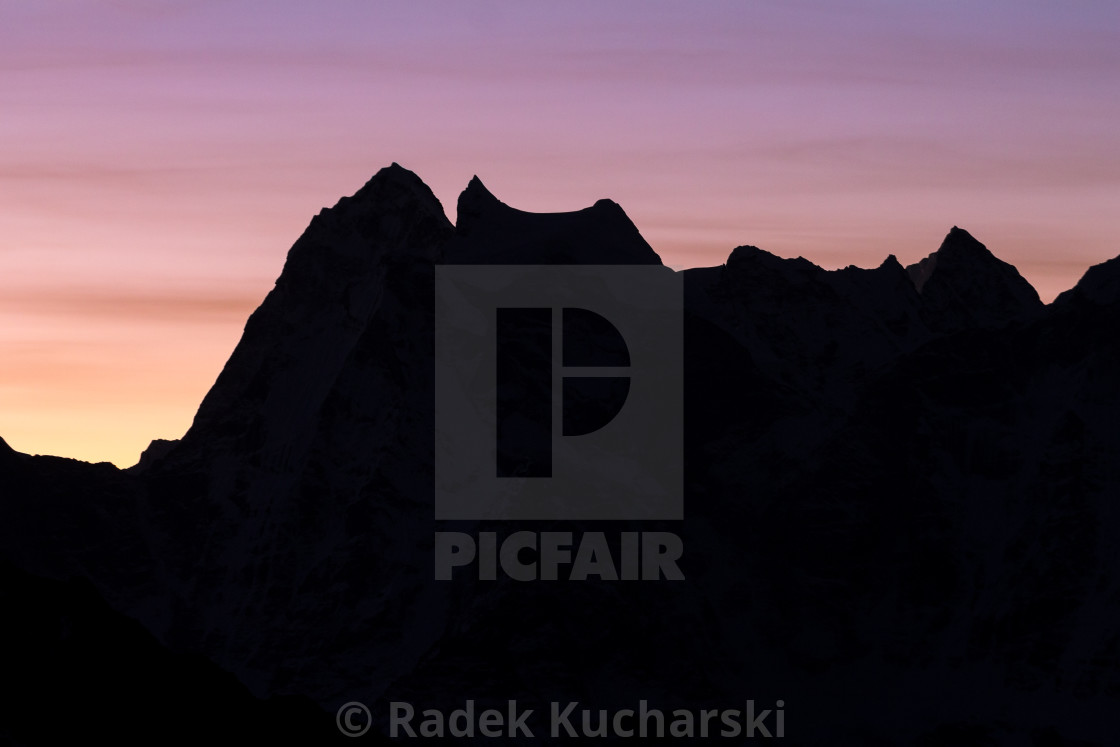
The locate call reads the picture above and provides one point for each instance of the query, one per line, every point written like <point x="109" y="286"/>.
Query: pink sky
<point x="159" y="157"/>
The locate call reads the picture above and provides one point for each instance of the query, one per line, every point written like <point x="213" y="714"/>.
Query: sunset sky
<point x="159" y="157"/>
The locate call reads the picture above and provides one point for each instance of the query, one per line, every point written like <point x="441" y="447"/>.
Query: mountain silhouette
<point x="899" y="489"/>
<point x="963" y="285"/>
<point x="490" y="232"/>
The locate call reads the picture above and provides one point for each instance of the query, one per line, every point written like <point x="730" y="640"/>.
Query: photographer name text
<point x="569" y="719"/>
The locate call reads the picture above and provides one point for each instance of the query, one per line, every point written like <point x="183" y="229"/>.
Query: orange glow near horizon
<point x="161" y="157"/>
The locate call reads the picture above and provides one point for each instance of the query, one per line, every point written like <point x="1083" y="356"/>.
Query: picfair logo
<point x="559" y="392"/>
<point x="594" y="386"/>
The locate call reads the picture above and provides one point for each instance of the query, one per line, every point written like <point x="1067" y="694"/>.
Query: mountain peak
<point x="958" y="247"/>
<point x="488" y="231"/>
<point x="391" y="177"/>
<point x="477" y="191"/>
<point x="347" y="264"/>
<point x="960" y="243"/>
<point x="1099" y="285"/>
<point x="891" y="263"/>
<point x="748" y="256"/>
<point x="963" y="284"/>
<point x="474" y="202"/>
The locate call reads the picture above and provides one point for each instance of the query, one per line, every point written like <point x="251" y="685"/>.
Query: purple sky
<point x="160" y="157"/>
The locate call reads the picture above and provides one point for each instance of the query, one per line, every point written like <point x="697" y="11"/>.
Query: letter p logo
<point x="559" y="392"/>
<point x="594" y="385"/>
